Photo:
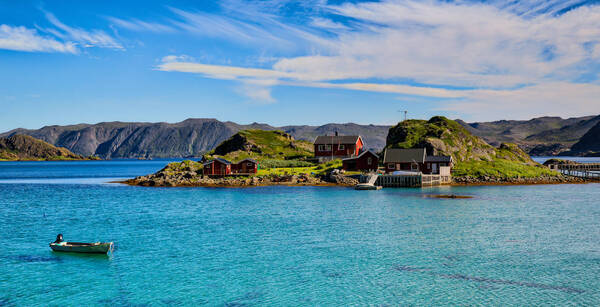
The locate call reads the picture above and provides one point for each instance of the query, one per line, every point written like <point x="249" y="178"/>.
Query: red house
<point x="328" y="147"/>
<point x="246" y="166"/>
<point x="366" y="161"/>
<point x="217" y="166"/>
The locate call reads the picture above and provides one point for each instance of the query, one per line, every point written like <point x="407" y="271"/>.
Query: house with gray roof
<point x="414" y="160"/>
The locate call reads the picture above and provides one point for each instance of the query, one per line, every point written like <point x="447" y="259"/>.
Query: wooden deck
<point x="583" y="170"/>
<point x="406" y="181"/>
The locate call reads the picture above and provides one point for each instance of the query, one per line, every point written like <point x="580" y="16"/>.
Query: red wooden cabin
<point x="217" y="166"/>
<point x="366" y="161"/>
<point x="337" y="146"/>
<point x="246" y="166"/>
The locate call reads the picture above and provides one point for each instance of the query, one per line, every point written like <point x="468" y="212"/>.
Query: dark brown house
<point x="336" y="146"/>
<point x="246" y="166"/>
<point x="365" y="161"/>
<point x="400" y="159"/>
<point x="433" y="164"/>
<point x="414" y="160"/>
<point x="218" y="166"/>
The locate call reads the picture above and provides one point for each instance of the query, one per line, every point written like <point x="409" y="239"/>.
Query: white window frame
<point x="327" y="147"/>
<point x="249" y="164"/>
<point x="369" y="160"/>
<point x="341" y="147"/>
<point x="321" y="147"/>
<point x="391" y="166"/>
<point x="414" y="167"/>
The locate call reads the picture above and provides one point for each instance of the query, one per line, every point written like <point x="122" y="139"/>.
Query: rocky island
<point x="284" y="160"/>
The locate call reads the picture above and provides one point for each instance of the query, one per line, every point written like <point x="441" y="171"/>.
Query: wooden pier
<point x="583" y="170"/>
<point x="406" y="181"/>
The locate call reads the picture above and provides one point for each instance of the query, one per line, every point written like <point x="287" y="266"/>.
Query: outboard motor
<point x="59" y="238"/>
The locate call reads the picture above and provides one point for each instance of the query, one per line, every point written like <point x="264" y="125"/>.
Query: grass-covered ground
<point x="500" y="168"/>
<point x="320" y="169"/>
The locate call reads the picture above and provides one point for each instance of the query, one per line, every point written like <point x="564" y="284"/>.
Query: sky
<point x="296" y="62"/>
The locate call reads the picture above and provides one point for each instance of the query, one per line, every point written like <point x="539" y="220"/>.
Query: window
<point x="341" y="147"/>
<point x="391" y="166"/>
<point x="414" y="166"/>
<point x="321" y="147"/>
<point x="249" y="164"/>
<point x="369" y="160"/>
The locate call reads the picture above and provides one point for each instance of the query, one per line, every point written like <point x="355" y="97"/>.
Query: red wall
<point x="243" y="167"/>
<point x="217" y="168"/>
<point x="361" y="163"/>
<point x="349" y="149"/>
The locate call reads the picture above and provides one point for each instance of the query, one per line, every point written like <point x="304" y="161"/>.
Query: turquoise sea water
<point x="298" y="246"/>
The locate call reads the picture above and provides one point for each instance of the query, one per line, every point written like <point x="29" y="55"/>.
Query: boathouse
<point x="401" y="159"/>
<point x="433" y="164"/>
<point x="365" y="161"/>
<point x="246" y="166"/>
<point x="416" y="160"/>
<point x="218" y="166"/>
<point x="329" y="147"/>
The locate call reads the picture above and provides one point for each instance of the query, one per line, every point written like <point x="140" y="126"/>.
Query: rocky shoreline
<point x="192" y="180"/>
<point x="468" y="180"/>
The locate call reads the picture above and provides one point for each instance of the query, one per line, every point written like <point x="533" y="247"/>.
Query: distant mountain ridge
<point x="191" y="137"/>
<point x="538" y="136"/>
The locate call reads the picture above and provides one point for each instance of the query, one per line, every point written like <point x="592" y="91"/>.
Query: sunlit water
<point x="508" y="246"/>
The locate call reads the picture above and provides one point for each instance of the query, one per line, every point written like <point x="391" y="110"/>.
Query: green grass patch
<point x="500" y="168"/>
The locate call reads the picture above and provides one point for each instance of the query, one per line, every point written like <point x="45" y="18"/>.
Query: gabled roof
<point x="401" y="155"/>
<point x="446" y="159"/>
<point x="217" y="159"/>
<point x="337" y="139"/>
<point x="361" y="154"/>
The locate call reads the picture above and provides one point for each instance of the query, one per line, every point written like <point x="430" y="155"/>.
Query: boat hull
<point x="366" y="187"/>
<point x="88" y="248"/>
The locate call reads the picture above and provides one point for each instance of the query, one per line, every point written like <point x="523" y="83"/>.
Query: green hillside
<point x="472" y="155"/>
<point x="269" y="148"/>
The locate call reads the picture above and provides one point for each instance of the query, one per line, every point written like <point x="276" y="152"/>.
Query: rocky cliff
<point x="23" y="147"/>
<point x="472" y="155"/>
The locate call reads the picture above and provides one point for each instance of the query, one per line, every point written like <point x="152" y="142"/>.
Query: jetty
<point x="413" y="180"/>
<point x="583" y="170"/>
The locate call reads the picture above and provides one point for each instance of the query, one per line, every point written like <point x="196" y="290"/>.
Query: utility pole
<point x="405" y="112"/>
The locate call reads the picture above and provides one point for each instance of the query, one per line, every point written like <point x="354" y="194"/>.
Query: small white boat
<point x="77" y="247"/>
<point x="366" y="186"/>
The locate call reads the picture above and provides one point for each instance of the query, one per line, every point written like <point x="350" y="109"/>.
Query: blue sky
<point x="304" y="62"/>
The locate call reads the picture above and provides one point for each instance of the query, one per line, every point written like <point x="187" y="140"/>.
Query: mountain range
<point x="189" y="138"/>
<point x="542" y="136"/>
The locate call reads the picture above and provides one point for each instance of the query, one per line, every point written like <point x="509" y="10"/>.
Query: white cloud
<point x="92" y="38"/>
<point x="24" y="39"/>
<point x="327" y="24"/>
<point x="502" y="56"/>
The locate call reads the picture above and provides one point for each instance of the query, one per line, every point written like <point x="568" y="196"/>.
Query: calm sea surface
<point x="299" y="246"/>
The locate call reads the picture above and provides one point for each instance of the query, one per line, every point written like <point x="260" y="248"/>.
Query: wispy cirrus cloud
<point x="529" y="52"/>
<point x="24" y="39"/>
<point x="86" y="38"/>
